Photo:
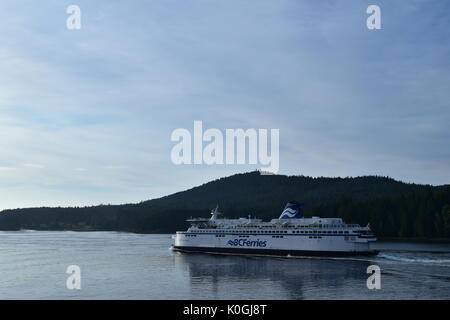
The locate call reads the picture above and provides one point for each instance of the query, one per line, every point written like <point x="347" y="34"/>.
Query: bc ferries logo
<point x="247" y="243"/>
<point x="292" y="211"/>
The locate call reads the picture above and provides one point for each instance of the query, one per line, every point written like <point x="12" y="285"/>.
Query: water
<point x="132" y="266"/>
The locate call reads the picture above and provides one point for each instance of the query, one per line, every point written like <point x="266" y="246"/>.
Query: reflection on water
<point x="293" y="275"/>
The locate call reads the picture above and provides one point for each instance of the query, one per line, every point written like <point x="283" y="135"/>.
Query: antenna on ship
<point x="215" y="213"/>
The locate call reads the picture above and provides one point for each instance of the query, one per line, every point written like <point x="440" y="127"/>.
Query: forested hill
<point x="393" y="208"/>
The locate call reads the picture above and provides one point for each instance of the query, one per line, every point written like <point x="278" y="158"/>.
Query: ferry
<point x="290" y="235"/>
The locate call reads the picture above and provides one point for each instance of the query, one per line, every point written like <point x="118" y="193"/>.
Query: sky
<point x="86" y="115"/>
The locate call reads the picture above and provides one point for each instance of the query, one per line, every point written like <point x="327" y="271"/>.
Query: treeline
<point x="423" y="215"/>
<point x="393" y="208"/>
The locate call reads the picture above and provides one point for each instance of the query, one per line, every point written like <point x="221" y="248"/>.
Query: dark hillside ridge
<point x="394" y="208"/>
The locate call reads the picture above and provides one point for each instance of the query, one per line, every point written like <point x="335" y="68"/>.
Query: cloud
<point x="2" y="168"/>
<point x="33" y="165"/>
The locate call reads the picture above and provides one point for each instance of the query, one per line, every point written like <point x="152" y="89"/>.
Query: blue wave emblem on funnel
<point x="293" y="210"/>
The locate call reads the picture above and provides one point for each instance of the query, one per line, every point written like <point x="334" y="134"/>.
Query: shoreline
<point x="422" y="240"/>
<point x="380" y="239"/>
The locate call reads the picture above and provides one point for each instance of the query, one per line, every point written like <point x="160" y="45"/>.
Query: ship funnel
<point x="293" y="210"/>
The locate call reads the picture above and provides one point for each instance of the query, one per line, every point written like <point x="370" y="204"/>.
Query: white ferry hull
<point x="282" y="245"/>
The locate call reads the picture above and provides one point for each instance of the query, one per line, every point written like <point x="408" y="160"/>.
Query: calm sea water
<point x="131" y="266"/>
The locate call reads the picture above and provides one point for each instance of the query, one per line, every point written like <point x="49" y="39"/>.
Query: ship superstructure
<point x="289" y="235"/>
